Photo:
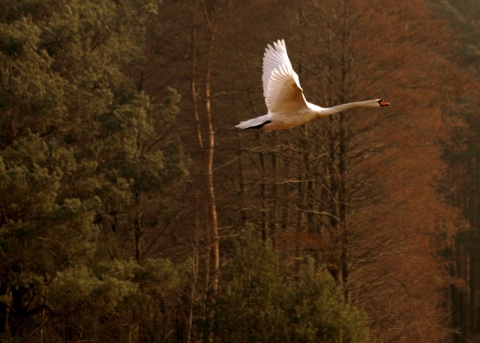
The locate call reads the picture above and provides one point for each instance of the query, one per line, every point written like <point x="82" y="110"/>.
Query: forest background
<point x="132" y="210"/>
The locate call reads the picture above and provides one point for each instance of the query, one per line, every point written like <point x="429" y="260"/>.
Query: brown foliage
<point x="358" y="190"/>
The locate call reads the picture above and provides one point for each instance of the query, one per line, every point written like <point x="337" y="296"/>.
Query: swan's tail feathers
<point x="255" y="123"/>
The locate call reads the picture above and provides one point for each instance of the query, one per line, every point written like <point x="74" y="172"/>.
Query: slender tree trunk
<point x="286" y="197"/>
<point x="195" y="271"/>
<point x="214" y="230"/>
<point x="194" y="91"/>
<point x="342" y="205"/>
<point x="242" y="191"/>
<point x="343" y="154"/>
<point x="274" y="209"/>
<point x="263" y="195"/>
<point x="137" y="229"/>
<point x="211" y="186"/>
<point x="3" y="310"/>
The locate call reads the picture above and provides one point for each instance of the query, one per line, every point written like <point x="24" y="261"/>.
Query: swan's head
<point x="382" y="103"/>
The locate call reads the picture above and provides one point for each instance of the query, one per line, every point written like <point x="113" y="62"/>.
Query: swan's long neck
<point x="340" y="108"/>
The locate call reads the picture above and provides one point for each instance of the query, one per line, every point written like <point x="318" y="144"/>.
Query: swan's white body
<point x="287" y="106"/>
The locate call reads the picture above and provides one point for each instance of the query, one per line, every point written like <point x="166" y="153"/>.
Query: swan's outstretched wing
<point x="281" y="86"/>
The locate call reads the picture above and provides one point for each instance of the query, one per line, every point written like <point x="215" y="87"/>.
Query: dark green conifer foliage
<point x="87" y="169"/>
<point x="260" y="303"/>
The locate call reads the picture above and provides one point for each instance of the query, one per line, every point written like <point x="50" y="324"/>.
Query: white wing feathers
<point x="255" y="122"/>
<point x="273" y="58"/>
<point x="281" y="86"/>
<point x="287" y="106"/>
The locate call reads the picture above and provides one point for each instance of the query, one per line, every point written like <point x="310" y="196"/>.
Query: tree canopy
<point x="132" y="210"/>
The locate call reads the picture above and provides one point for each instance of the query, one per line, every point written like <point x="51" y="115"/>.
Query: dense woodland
<point x="132" y="210"/>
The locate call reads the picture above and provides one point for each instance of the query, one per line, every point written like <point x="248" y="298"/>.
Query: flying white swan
<point x="287" y="106"/>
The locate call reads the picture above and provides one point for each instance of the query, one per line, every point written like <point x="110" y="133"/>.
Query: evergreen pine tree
<point x="86" y="170"/>
<point x="260" y="303"/>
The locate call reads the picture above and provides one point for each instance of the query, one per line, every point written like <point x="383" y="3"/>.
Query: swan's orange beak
<point x="384" y="103"/>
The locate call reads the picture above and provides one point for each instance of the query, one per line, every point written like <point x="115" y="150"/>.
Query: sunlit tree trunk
<point x="214" y="230"/>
